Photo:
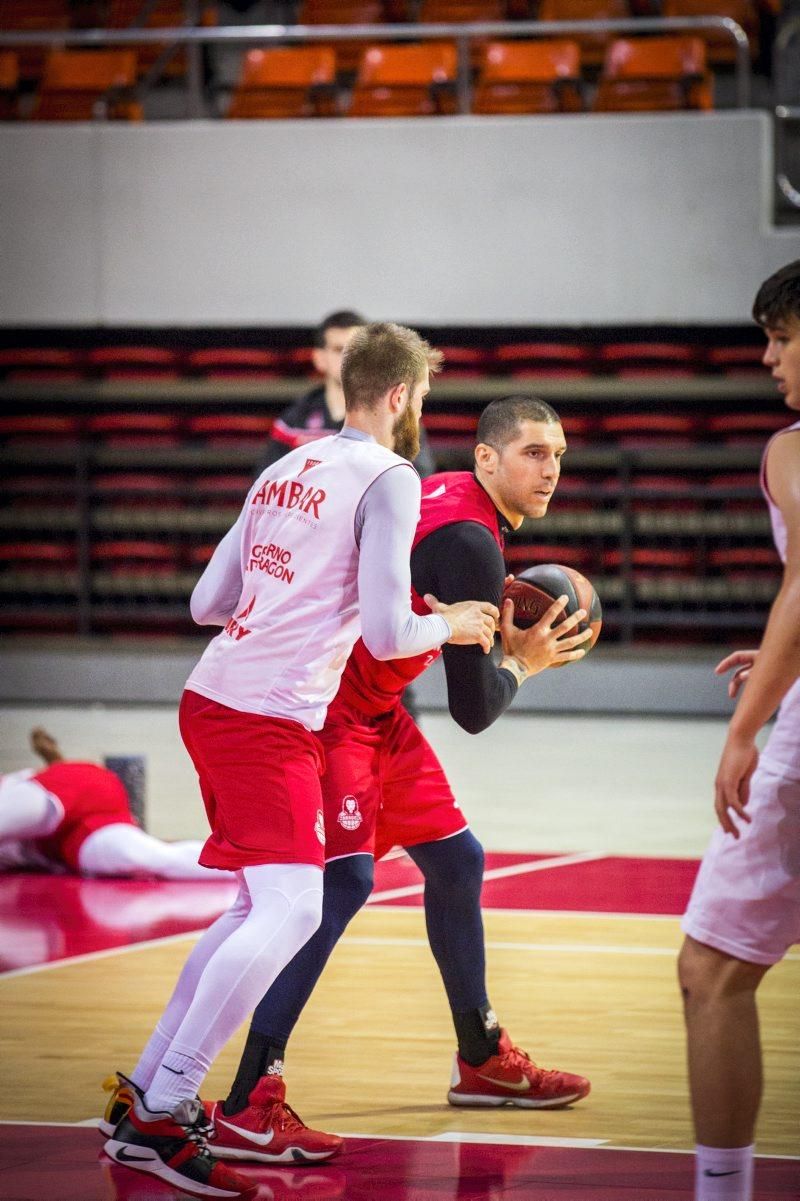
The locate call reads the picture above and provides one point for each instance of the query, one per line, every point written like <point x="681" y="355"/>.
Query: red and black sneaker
<point x="511" y="1078"/>
<point x="267" y="1129"/>
<point x="122" y="1092"/>
<point x="173" y="1147"/>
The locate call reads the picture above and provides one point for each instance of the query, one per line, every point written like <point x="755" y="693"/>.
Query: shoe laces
<point x="192" y="1119"/>
<point x="515" y="1057"/>
<point x="279" y="1114"/>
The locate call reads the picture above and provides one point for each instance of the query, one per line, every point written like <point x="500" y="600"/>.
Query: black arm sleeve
<point x="456" y="563"/>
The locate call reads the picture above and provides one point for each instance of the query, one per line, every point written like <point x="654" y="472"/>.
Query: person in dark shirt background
<point x="320" y="411"/>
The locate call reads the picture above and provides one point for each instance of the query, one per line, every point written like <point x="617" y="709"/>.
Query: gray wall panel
<point x="467" y="220"/>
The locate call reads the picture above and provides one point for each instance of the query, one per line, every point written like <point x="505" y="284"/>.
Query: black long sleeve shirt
<point x="463" y="562"/>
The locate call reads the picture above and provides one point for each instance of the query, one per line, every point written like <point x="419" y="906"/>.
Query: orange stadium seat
<point x="720" y="47"/>
<point x="406" y="81"/>
<point x="82" y="85"/>
<point x="529" y="77"/>
<point x="593" y="45"/>
<point x="290" y="81"/>
<point x="125" y="14"/>
<point x="453" y="11"/>
<point x="34" y="16"/>
<point x="9" y="82"/>
<point x="342" y="12"/>
<point x="654" y="74"/>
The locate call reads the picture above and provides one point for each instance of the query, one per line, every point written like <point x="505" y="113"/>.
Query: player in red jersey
<point x="384" y="786"/>
<point x="75" y="817"/>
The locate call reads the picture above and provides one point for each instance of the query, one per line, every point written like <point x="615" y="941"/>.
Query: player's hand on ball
<point x="544" y="644"/>
<point x="470" y="621"/>
<point x="743" y="662"/>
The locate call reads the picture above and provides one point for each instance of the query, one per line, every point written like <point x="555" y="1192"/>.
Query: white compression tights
<point x="278" y="908"/>
<point x="123" y="850"/>
<point x="26" y="809"/>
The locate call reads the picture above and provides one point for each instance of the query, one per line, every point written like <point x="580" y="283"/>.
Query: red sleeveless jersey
<point x="374" y="687"/>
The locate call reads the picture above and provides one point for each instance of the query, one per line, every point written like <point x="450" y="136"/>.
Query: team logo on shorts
<point x="350" y="816"/>
<point x="319" y="826"/>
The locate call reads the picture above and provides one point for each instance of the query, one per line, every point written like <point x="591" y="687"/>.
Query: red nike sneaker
<point x="267" y="1130"/>
<point x="511" y="1078"/>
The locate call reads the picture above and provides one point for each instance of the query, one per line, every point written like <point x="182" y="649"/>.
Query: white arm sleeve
<point x="387" y="518"/>
<point x="220" y="586"/>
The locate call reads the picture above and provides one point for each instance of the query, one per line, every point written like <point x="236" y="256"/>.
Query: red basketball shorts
<point x="259" y="778"/>
<point x="383" y="786"/>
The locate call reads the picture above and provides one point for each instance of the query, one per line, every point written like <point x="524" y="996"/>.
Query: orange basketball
<point x="534" y="590"/>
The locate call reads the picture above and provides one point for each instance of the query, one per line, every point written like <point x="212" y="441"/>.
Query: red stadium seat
<point x="135" y="429"/>
<point x="45" y="553"/>
<point x="734" y="360"/>
<point x="465" y="362"/>
<point x="406" y="81"/>
<point x="232" y="363"/>
<point x="135" y="362"/>
<point x="650" y="557"/>
<point x="525" y="554"/>
<point x="746" y="427"/>
<point x="529" y="77"/>
<point x="558" y="359"/>
<point x="36" y="364"/>
<point x="737" y="558"/>
<point x="226" y="428"/>
<point x="649" y="358"/>
<point x="289" y="81"/>
<point x="50" y="428"/>
<point x="654" y="75"/>
<point x="9" y="83"/>
<point x="645" y="429"/>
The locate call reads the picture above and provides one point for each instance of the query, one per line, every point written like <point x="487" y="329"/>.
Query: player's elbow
<point x="469" y="717"/>
<point x="381" y="645"/>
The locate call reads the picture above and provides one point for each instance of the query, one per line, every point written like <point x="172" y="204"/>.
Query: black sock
<point x="478" y="1033"/>
<point x="260" y="1052"/>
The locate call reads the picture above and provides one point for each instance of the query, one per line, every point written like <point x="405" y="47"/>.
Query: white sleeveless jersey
<point x="782" y="751"/>
<point x="283" y="651"/>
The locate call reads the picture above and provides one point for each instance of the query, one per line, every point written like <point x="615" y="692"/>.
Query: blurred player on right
<point x="744" y="912"/>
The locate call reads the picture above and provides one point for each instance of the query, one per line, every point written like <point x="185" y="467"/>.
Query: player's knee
<point x="451" y="865"/>
<point x="707" y="976"/>
<point x="307" y="914"/>
<point x="348" y="883"/>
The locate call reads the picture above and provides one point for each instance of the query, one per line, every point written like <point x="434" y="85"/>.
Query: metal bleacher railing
<point x="194" y="37"/>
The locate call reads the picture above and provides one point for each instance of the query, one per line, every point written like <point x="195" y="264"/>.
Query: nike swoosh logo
<point x="260" y="1140"/>
<point x="123" y="1157"/>
<point x="174" y="1071"/>
<point x="440" y="491"/>
<point x="710" y="1172"/>
<point x="522" y="1085"/>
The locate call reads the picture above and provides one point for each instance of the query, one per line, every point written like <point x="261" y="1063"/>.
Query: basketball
<point x="534" y="590"/>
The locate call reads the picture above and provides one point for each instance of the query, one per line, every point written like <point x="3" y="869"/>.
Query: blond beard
<point x="406" y="435"/>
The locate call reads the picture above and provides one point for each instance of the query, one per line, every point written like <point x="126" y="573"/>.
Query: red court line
<point x="611" y="884"/>
<point x="66" y="1162"/>
<point x="46" y="919"/>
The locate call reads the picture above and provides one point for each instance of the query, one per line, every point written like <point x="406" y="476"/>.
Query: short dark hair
<point x="380" y="356"/>
<point x="341" y="319"/>
<point x="500" y="421"/>
<point x="778" y="298"/>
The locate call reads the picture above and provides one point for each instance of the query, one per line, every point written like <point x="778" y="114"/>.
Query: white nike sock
<point x="723" y="1173"/>
<point x="151" y="1058"/>
<point x="179" y="1077"/>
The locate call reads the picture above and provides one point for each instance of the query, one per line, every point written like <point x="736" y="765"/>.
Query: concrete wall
<point x="553" y="220"/>
<point x="610" y="681"/>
